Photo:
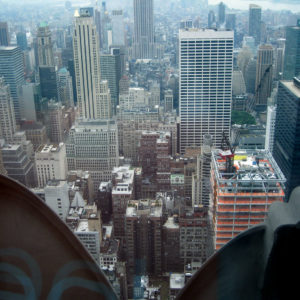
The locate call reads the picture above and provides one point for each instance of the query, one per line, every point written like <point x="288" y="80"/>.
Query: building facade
<point x="206" y="60"/>
<point x="255" y="22"/>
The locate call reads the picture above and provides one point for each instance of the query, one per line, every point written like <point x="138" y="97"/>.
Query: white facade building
<point x="117" y="21"/>
<point x="65" y="87"/>
<point x="93" y="95"/>
<point x="136" y="97"/>
<point x="51" y="163"/>
<point x="92" y="146"/>
<point x="270" y="128"/>
<point x="57" y="197"/>
<point x="205" y="86"/>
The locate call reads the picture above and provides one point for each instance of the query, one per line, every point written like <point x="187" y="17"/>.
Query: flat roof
<point x="177" y="281"/>
<point x="206" y="34"/>
<point x="292" y="87"/>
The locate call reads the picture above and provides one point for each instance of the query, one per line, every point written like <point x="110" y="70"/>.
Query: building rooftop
<point x="54" y="148"/>
<point x="152" y="208"/>
<point x="170" y="224"/>
<point x="83" y="226"/>
<point x="197" y="33"/>
<point x="289" y="84"/>
<point x="177" y="281"/>
<point x="123" y="178"/>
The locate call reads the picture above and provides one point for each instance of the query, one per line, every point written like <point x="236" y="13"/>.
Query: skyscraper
<point x="292" y="52"/>
<point x="287" y="133"/>
<point x="221" y="15"/>
<point x="45" y="46"/>
<point x="264" y="74"/>
<point x="255" y="22"/>
<point x="7" y="114"/>
<point x="91" y="98"/>
<point x="143" y="46"/>
<point x="4" y="35"/>
<point x="65" y="87"/>
<point x="48" y="81"/>
<point x="118" y="35"/>
<point x="206" y="59"/>
<point x="12" y="69"/>
<point x="211" y="19"/>
<point x="22" y="40"/>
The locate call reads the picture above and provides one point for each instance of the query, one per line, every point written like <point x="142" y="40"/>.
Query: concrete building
<point x="238" y="83"/>
<point x="242" y="197"/>
<point x="55" y="122"/>
<point x="35" y="133"/>
<point x="136" y="97"/>
<point x="171" y="246"/>
<point x="264" y="74"/>
<point x="255" y="22"/>
<point x="200" y="179"/>
<point x="221" y="14"/>
<point x="270" y="128"/>
<point x="143" y="227"/>
<point x="93" y="96"/>
<point x="211" y="19"/>
<point x="45" y="46"/>
<point x="168" y="101"/>
<point x="51" y="163"/>
<point x="177" y="282"/>
<point x="89" y="231"/>
<point x="57" y="197"/>
<point x="12" y="70"/>
<point x="22" y="40"/>
<point x="7" y="113"/>
<point x="196" y="239"/>
<point x="122" y="193"/>
<point x="291" y="66"/>
<point x="143" y="44"/>
<point x="118" y="29"/>
<point x="110" y="65"/>
<point x="48" y="82"/>
<point x="18" y="165"/>
<point x="92" y="145"/>
<point x="65" y="88"/>
<point x="287" y="132"/>
<point x="4" y="34"/>
<point x="215" y="50"/>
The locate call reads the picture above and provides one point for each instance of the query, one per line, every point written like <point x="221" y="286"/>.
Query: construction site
<point x="244" y="184"/>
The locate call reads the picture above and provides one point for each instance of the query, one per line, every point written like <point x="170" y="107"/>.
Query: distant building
<point x="211" y="19"/>
<point x="55" y="122"/>
<point x="51" y="163"/>
<point x="48" y="82"/>
<point x="143" y="45"/>
<point x="4" y="34"/>
<point x="45" y="46"/>
<point x="264" y="74"/>
<point x="118" y="33"/>
<point x="22" y="40"/>
<point x="221" y="14"/>
<point x="255" y="22"/>
<point x="65" y="88"/>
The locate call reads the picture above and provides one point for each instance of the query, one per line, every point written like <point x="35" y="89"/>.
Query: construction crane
<point x="227" y="152"/>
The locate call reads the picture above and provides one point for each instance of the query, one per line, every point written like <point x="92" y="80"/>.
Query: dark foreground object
<point x="40" y="258"/>
<point x="262" y="263"/>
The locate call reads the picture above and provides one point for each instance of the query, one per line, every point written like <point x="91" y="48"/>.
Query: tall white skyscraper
<point x="118" y="35"/>
<point x="206" y="62"/>
<point x="92" y="94"/>
<point x="143" y="46"/>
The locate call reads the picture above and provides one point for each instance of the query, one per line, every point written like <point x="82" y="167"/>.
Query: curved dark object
<point x="40" y="258"/>
<point x="260" y="263"/>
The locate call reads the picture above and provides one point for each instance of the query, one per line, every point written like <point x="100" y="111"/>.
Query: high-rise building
<point x="255" y="22"/>
<point x="65" y="87"/>
<point x="54" y="122"/>
<point x="292" y="52"/>
<point x="211" y="19"/>
<point x="35" y="133"/>
<point x="243" y="195"/>
<point x="110" y="65"/>
<point x="279" y="56"/>
<point x="264" y="74"/>
<point x="45" y="46"/>
<point x="48" y="81"/>
<point x="29" y="98"/>
<point x="22" y="40"/>
<point x="221" y="14"/>
<point x="12" y="69"/>
<point x="92" y="145"/>
<point x="51" y="163"/>
<point x="168" y="100"/>
<point x="287" y="132"/>
<point x="4" y="35"/>
<point x="18" y="165"/>
<point x="118" y="34"/>
<point x="206" y="60"/>
<point x="93" y="98"/>
<point x="143" y="45"/>
<point x="7" y="114"/>
<point x="230" y="21"/>
<point x="270" y="128"/>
